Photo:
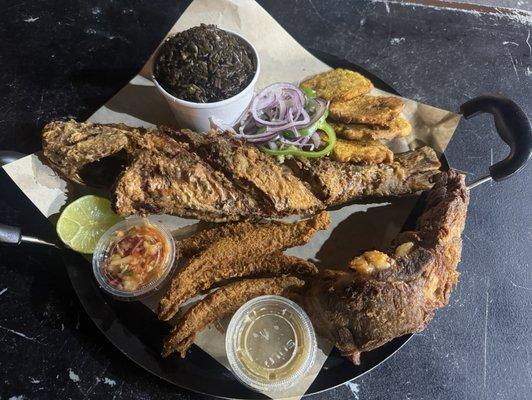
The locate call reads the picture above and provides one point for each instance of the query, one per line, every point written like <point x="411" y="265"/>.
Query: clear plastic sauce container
<point x="270" y="343"/>
<point x="133" y="258"/>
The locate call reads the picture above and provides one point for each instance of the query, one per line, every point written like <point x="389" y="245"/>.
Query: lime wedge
<point x="84" y="221"/>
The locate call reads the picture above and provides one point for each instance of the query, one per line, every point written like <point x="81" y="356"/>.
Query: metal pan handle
<point x="513" y="127"/>
<point x="13" y="235"/>
<point x="10" y="234"/>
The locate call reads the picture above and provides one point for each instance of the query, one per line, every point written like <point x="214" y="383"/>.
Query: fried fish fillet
<point x="256" y="173"/>
<point x="194" y="278"/>
<point x="387" y="294"/>
<point x="372" y="110"/>
<point x="361" y="152"/>
<point x="399" y="127"/>
<point x="222" y="303"/>
<point x="230" y="252"/>
<point x="199" y="241"/>
<point x="339" y="84"/>
<point x="336" y="182"/>
<point x="181" y="184"/>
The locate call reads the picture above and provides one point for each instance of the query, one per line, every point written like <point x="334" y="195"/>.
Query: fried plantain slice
<point x="361" y="152"/>
<point x="373" y="110"/>
<point x="221" y="304"/>
<point x="339" y="84"/>
<point x="399" y="127"/>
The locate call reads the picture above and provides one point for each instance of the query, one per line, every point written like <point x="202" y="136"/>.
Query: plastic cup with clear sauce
<point x="270" y="344"/>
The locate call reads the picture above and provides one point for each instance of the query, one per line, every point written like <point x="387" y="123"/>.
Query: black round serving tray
<point x="136" y="331"/>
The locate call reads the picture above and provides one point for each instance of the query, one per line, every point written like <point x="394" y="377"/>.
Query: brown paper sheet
<point x="353" y="228"/>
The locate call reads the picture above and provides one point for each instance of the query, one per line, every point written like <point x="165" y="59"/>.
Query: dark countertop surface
<point x="66" y="58"/>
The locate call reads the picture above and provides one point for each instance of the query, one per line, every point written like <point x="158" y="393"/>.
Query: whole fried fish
<point x="216" y="177"/>
<point x="387" y="294"/>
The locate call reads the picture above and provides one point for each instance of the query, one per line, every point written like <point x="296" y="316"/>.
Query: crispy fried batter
<point x="194" y="278"/>
<point x="336" y="182"/>
<point x="399" y="127"/>
<point x="360" y="152"/>
<point x="339" y="84"/>
<point x="389" y="294"/>
<point x="201" y="240"/>
<point x="222" y="303"/>
<point x="229" y="251"/>
<point x="372" y="110"/>
<point x="181" y="184"/>
<point x="256" y="173"/>
<point x="68" y="146"/>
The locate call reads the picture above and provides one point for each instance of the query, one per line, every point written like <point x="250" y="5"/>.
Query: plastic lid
<point x="101" y="253"/>
<point x="270" y="344"/>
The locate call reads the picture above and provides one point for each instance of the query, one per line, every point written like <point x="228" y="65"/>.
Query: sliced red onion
<point x="221" y="126"/>
<point x="316" y="140"/>
<point x="272" y="145"/>
<point x="275" y="110"/>
<point x="322" y="106"/>
<point x="262" y="139"/>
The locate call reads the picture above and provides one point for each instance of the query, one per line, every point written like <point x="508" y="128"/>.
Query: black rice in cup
<point x="204" y="64"/>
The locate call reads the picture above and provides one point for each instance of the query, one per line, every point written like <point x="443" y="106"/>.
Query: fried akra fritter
<point x="372" y="110"/>
<point x="222" y="303"/>
<point x="339" y="84"/>
<point x="361" y="152"/>
<point x="235" y="255"/>
<point x="399" y="127"/>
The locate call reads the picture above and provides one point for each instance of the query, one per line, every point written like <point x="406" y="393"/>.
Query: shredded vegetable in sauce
<point x="284" y="120"/>
<point x="135" y="257"/>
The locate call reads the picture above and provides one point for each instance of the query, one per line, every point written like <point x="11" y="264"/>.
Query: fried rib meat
<point x="399" y="127"/>
<point x="223" y="303"/>
<point x="372" y="110"/>
<point x="336" y="183"/>
<point x="234" y="256"/>
<point x="339" y="84"/>
<point x="388" y="294"/>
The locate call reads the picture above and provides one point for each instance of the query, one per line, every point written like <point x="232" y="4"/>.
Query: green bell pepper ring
<point x="322" y="125"/>
<point x="309" y="93"/>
